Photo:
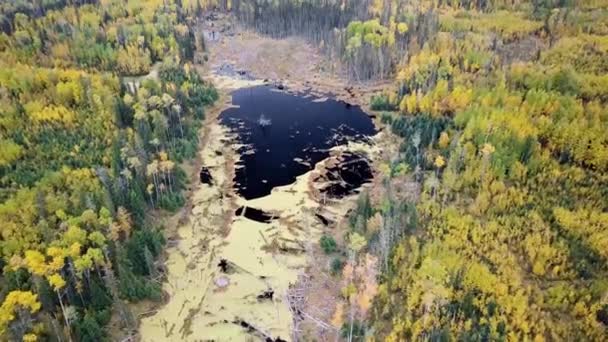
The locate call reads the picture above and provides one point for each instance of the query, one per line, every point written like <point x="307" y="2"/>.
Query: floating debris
<point x="264" y="121"/>
<point x="350" y="91"/>
<point x="345" y="177"/>
<point x="295" y="134"/>
<point x="205" y="176"/>
<point x="255" y="214"/>
<point x="252" y="329"/>
<point x="225" y="266"/>
<point x="266" y="295"/>
<point x="323" y="219"/>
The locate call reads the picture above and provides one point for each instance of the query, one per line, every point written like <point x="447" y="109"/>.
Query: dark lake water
<point x="299" y="136"/>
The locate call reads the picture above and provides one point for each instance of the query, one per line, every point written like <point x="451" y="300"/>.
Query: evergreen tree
<point x="88" y="329"/>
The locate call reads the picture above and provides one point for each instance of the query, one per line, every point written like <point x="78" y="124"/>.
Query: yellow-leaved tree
<point x="15" y="315"/>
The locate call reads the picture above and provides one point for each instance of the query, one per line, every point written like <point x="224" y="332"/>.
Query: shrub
<point x="172" y="201"/>
<point x="88" y="328"/>
<point x="565" y="81"/>
<point x="336" y="266"/>
<point x="382" y="102"/>
<point x="328" y="244"/>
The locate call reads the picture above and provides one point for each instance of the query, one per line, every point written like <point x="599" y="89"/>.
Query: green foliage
<point x="34" y="217"/>
<point x="354" y="333"/>
<point x="363" y="211"/>
<point x="100" y="297"/>
<point x="382" y="102"/>
<point x="144" y="240"/>
<point x="134" y="287"/>
<point x="328" y="244"/>
<point x="336" y="266"/>
<point x="370" y="32"/>
<point x="586" y="53"/>
<point x="510" y="145"/>
<point x="86" y="152"/>
<point x="88" y="329"/>
<point x="172" y="202"/>
<point x="510" y="25"/>
<point x="9" y="152"/>
<point x="565" y="82"/>
<point x="418" y="131"/>
<point x="16" y="280"/>
<point x="128" y="38"/>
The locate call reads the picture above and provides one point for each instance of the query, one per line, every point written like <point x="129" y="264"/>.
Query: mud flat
<point x="228" y="274"/>
<point x="229" y="271"/>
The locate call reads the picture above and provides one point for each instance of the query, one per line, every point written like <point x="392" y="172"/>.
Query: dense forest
<point x="504" y="120"/>
<point x="87" y="155"/>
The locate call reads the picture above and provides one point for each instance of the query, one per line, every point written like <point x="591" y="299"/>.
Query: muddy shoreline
<point x="230" y="277"/>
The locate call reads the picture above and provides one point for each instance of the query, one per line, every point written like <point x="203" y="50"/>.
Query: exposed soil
<point x="290" y="63"/>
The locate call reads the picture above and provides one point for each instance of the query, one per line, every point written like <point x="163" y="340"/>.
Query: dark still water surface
<point x="299" y="135"/>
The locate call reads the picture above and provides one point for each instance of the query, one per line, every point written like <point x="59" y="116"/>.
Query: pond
<point x="285" y="135"/>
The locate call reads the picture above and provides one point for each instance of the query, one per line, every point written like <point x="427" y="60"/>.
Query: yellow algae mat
<point x="245" y="297"/>
<point x="204" y="302"/>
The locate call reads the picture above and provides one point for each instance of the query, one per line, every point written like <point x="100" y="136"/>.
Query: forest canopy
<point x="100" y="104"/>
<point x="502" y="112"/>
